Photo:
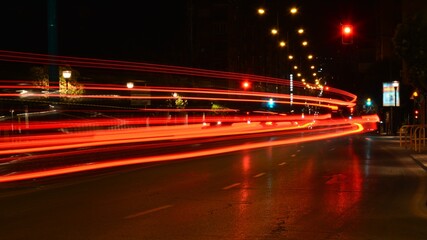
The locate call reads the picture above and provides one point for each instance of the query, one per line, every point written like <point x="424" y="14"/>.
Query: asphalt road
<point x="358" y="187"/>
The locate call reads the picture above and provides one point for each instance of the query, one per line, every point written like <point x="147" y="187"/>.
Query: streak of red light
<point x="170" y="157"/>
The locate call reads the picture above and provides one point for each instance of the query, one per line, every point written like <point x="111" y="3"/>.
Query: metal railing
<point x="413" y="137"/>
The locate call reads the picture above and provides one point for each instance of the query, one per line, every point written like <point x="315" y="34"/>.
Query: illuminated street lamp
<point x="282" y="43"/>
<point x="66" y="74"/>
<point x="261" y="11"/>
<point x="130" y="85"/>
<point x="304" y="43"/>
<point x="290" y="57"/>
<point x="274" y="31"/>
<point x="294" y="10"/>
<point x="300" y="31"/>
<point x="395" y="85"/>
<point x="310" y="56"/>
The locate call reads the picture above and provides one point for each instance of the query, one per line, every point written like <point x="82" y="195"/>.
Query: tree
<point x="177" y="101"/>
<point x="40" y="76"/>
<point x="69" y="88"/>
<point x="410" y="43"/>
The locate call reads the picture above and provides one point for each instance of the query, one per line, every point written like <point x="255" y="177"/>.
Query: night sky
<point x="119" y="28"/>
<point x="107" y="29"/>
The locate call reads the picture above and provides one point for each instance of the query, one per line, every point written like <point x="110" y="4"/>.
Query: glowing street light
<point x="290" y="57"/>
<point x="66" y="74"/>
<point x="300" y="31"/>
<point x="294" y="10"/>
<point x="274" y="31"/>
<point x="261" y="11"/>
<point x="282" y="43"/>
<point x="304" y="43"/>
<point x="130" y="85"/>
<point x="310" y="56"/>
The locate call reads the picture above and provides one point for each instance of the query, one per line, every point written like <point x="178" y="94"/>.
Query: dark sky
<point x="94" y="28"/>
<point x="146" y="30"/>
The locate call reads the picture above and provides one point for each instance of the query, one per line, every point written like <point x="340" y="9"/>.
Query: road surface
<point x="354" y="187"/>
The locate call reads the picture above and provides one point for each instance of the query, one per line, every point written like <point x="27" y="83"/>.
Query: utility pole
<point x="52" y="41"/>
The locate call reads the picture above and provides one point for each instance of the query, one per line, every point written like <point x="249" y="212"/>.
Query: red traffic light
<point x="347" y="29"/>
<point x="347" y="32"/>
<point x="246" y="84"/>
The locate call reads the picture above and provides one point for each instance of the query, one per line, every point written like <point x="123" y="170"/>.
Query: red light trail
<point x="349" y="128"/>
<point x="67" y="138"/>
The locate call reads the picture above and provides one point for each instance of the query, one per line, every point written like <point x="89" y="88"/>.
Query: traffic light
<point x="246" y="84"/>
<point x="368" y="102"/>
<point x="270" y="103"/>
<point x="347" y="32"/>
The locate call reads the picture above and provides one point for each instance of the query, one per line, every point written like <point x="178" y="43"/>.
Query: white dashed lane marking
<point x="259" y="175"/>
<point x="231" y="186"/>
<point x="148" y="211"/>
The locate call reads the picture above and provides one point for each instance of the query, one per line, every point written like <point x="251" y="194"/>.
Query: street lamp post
<point x="130" y="86"/>
<point x="66" y="74"/>
<point x="395" y="85"/>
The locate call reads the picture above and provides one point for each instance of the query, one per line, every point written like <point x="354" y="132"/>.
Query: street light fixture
<point x="274" y="31"/>
<point x="395" y="85"/>
<point x="130" y="85"/>
<point x="261" y="11"/>
<point x="294" y="10"/>
<point x="66" y="74"/>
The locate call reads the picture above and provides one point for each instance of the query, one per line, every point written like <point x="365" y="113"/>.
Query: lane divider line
<point x="259" y="175"/>
<point x="282" y="163"/>
<point x="148" y="211"/>
<point x="231" y="186"/>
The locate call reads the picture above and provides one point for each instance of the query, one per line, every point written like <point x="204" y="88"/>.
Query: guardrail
<point x="413" y="137"/>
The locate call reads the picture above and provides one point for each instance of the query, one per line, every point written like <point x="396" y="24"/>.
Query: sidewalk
<point x="419" y="157"/>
